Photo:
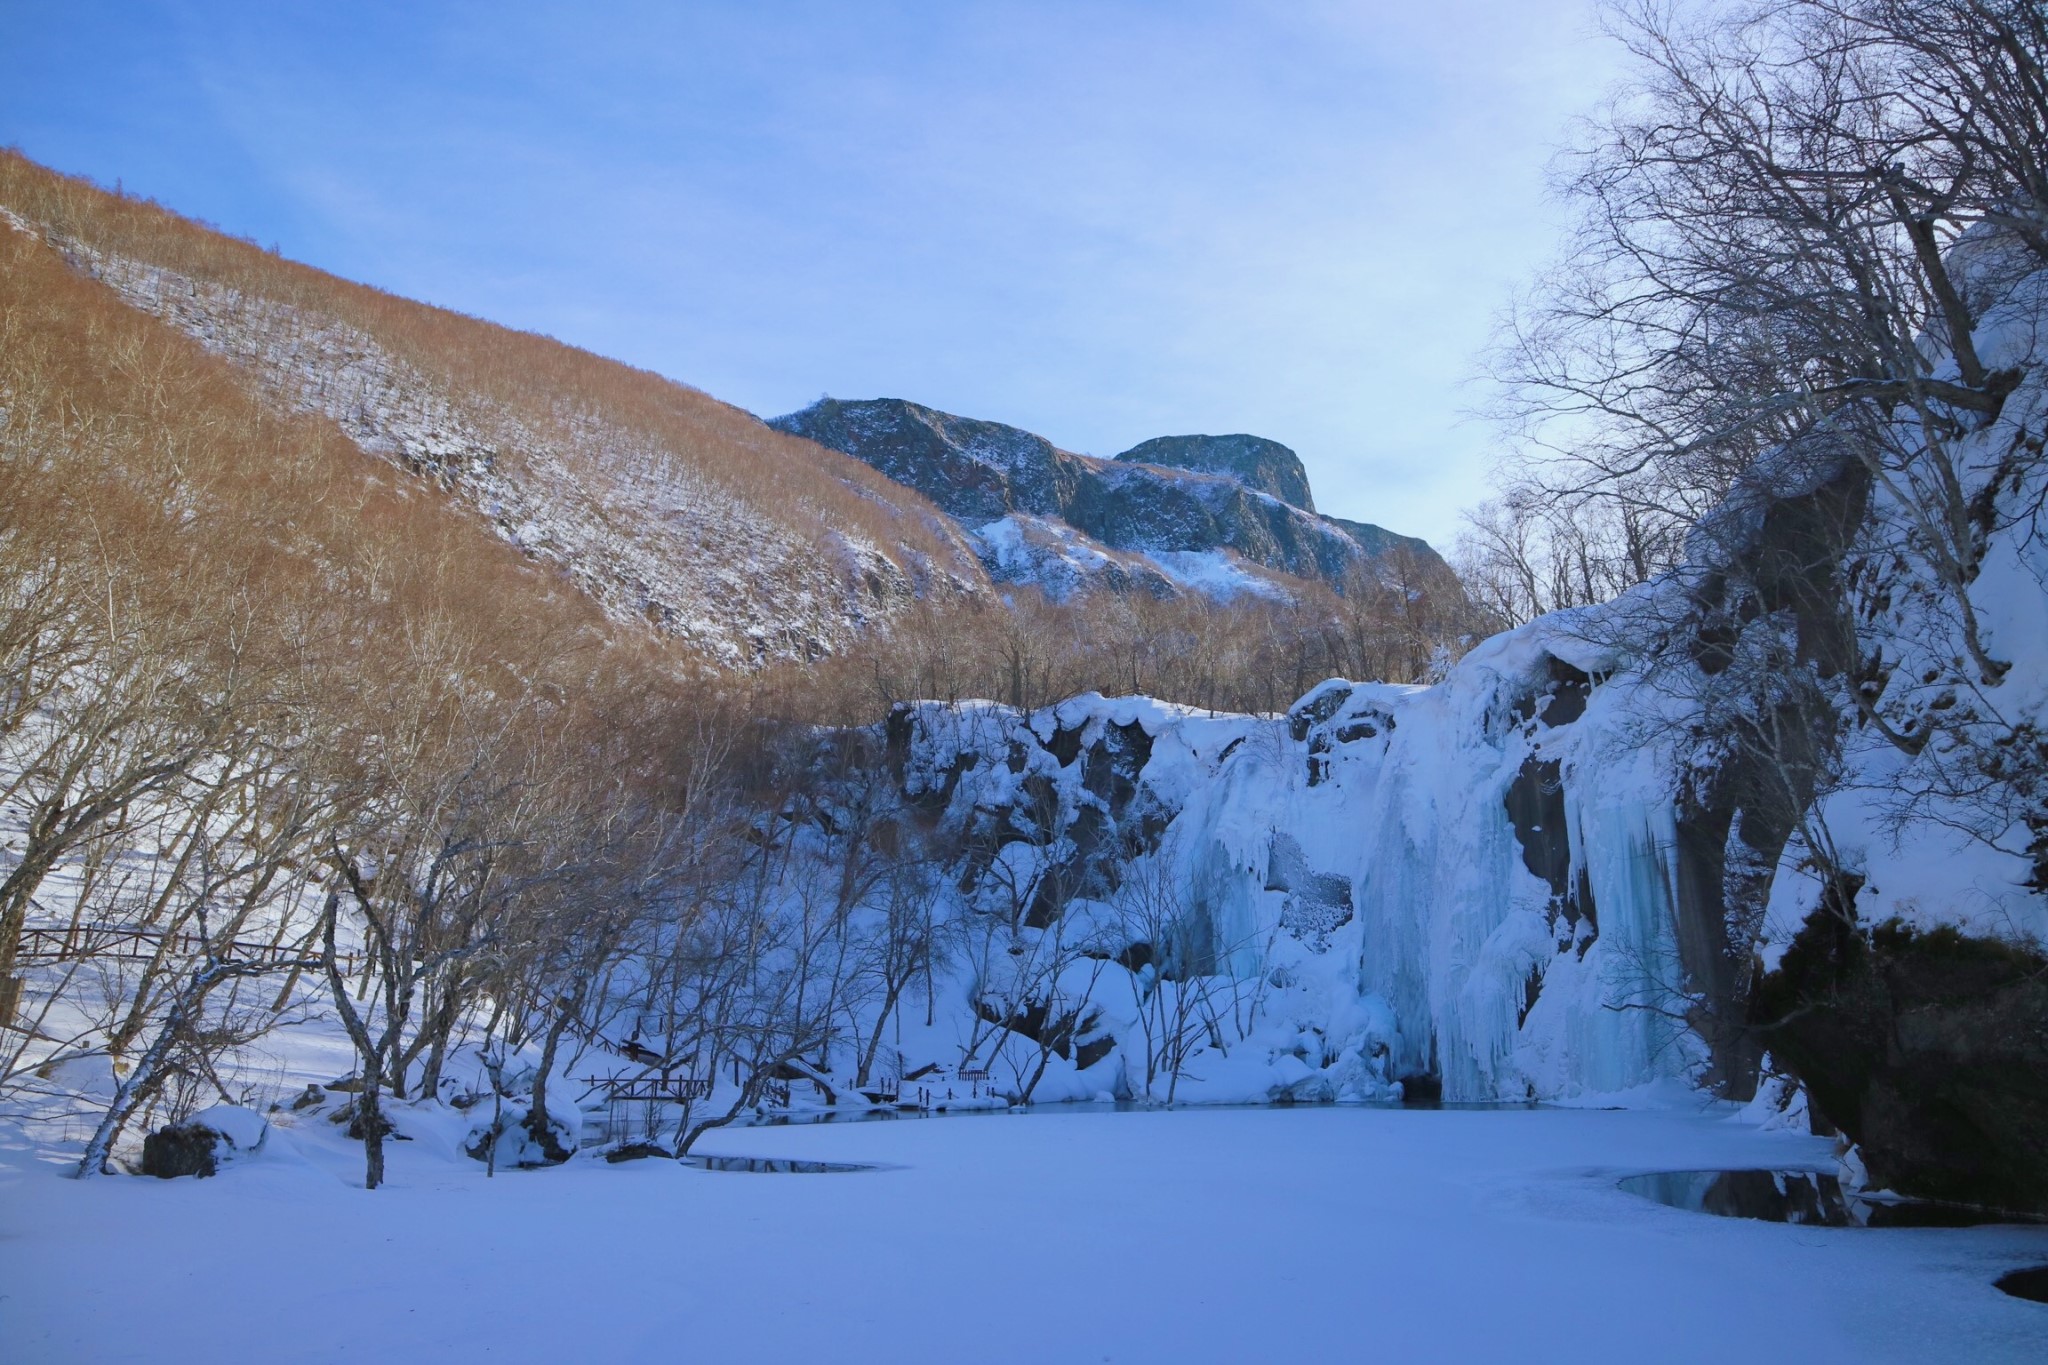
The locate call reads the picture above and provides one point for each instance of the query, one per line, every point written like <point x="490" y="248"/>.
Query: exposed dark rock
<point x="201" y="1144"/>
<point x="1782" y="545"/>
<point x="1536" y="808"/>
<point x="974" y="470"/>
<point x="521" y="1141"/>
<point x="181" y="1149"/>
<point x="2031" y="1283"/>
<point x="1054" y="1030"/>
<point x="1065" y="745"/>
<point x="638" y="1151"/>
<point x="1379" y="542"/>
<point x="1365" y="727"/>
<point x="1257" y="463"/>
<point x="1130" y="507"/>
<point x="1560" y="700"/>
<point x="1315" y="708"/>
<point x="1089" y="802"/>
<point x="1930" y="1050"/>
<point x="1088" y="1053"/>
<point x="351" y="1114"/>
<point x="553" y="1143"/>
<point x="1134" y="957"/>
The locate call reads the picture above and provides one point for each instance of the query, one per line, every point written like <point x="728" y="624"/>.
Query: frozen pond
<point x="1190" y="1236"/>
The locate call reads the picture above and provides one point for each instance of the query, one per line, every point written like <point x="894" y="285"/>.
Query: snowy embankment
<point x="1221" y="1235"/>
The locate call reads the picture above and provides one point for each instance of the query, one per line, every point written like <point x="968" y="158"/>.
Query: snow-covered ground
<point x="1184" y="1236"/>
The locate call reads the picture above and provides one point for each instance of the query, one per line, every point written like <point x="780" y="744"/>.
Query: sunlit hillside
<point x="663" y="504"/>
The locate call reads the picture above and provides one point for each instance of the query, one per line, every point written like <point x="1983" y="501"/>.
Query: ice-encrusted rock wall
<point x="1565" y="869"/>
<point x="1473" y="881"/>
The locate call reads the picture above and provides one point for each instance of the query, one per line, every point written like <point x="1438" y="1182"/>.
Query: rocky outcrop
<point x="202" y="1144"/>
<point x="180" y="1150"/>
<point x="1257" y="463"/>
<point x="1929" y="1049"/>
<point x="1045" y="515"/>
<point x="1546" y="876"/>
<point x="1379" y="542"/>
<point x="975" y="471"/>
<point x="1068" y="782"/>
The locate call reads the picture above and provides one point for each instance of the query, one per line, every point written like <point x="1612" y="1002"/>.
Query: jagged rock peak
<point x="1253" y="461"/>
<point x="974" y="470"/>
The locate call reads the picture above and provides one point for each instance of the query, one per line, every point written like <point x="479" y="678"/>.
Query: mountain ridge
<point x="1241" y="502"/>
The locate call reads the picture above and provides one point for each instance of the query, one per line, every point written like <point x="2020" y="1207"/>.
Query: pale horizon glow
<point x="1101" y="222"/>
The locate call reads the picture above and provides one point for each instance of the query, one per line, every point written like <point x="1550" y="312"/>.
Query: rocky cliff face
<point x="1257" y="463"/>
<point x="1223" y="514"/>
<point x="975" y="471"/>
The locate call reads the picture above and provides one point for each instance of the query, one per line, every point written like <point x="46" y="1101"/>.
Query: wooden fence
<point x="124" y="944"/>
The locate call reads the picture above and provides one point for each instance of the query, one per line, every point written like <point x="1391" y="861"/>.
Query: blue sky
<point x="1102" y="221"/>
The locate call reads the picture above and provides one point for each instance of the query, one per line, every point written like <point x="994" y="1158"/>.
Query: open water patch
<point x="1809" y="1198"/>
<point x="2031" y="1283"/>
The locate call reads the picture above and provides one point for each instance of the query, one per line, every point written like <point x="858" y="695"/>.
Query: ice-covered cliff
<point x="1649" y="841"/>
<point x="1474" y="882"/>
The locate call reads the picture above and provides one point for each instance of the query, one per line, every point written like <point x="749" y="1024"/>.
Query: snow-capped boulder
<point x="521" y="1144"/>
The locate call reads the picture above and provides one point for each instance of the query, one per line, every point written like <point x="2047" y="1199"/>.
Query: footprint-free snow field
<point x="1206" y="1235"/>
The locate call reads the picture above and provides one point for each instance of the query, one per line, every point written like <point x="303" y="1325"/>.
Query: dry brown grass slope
<point x="661" y="503"/>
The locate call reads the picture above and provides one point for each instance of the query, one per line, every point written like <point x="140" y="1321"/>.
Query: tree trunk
<point x="370" y="1120"/>
<point x="138" y="1085"/>
<point x="867" y="1057"/>
<point x="146" y="1077"/>
<point x="537" y="1125"/>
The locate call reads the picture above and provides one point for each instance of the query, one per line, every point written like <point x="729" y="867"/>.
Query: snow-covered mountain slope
<point x="1221" y="515"/>
<point x="664" y="505"/>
